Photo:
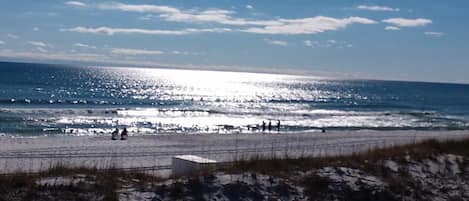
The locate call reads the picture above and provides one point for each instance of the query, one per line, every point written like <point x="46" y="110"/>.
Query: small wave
<point x="85" y="121"/>
<point x="58" y="111"/>
<point x="419" y="113"/>
<point x="27" y="101"/>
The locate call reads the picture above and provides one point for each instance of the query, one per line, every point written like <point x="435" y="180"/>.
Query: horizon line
<point x="300" y="73"/>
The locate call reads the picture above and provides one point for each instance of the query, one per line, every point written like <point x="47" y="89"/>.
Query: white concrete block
<point x="187" y="164"/>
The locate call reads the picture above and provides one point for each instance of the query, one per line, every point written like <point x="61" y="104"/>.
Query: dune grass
<point x="95" y="183"/>
<point x="363" y="160"/>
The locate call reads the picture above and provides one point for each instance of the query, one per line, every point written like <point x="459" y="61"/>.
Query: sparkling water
<point x="37" y="99"/>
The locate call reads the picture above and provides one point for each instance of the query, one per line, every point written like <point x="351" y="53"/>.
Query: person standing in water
<point x="124" y="134"/>
<point x="263" y="125"/>
<point x="114" y="134"/>
<point x="278" y="125"/>
<point x="270" y="125"/>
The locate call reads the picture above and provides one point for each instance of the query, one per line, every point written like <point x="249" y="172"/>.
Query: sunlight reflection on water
<point x="97" y="99"/>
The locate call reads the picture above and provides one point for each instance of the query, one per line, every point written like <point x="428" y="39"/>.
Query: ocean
<point x="39" y="99"/>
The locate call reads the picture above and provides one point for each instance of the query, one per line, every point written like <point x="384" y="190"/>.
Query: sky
<point x="417" y="40"/>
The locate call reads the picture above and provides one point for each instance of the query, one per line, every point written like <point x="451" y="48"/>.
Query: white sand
<point x="39" y="153"/>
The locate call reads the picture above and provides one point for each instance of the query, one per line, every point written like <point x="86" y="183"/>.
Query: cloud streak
<point x="12" y="36"/>
<point x="170" y="13"/>
<point x="310" y="43"/>
<point x="113" y="31"/>
<point x="327" y="44"/>
<point x="134" y="52"/>
<point x="392" y="28"/>
<point x="81" y="45"/>
<point x="311" y="25"/>
<point x="38" y="43"/>
<point x="435" y="34"/>
<point x="141" y="8"/>
<point x="276" y="42"/>
<point x="40" y="49"/>
<point x="75" y="3"/>
<point x="377" y="8"/>
<point x="403" y="22"/>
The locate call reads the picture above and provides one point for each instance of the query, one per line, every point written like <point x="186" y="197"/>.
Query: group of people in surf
<point x="269" y="125"/>
<point x="124" y="134"/>
<point x="264" y="126"/>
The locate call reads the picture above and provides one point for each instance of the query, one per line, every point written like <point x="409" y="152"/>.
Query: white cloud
<point x="38" y="43"/>
<point x="327" y="44"/>
<point x="2" y="42"/>
<point x="40" y="49"/>
<point x="222" y="16"/>
<point x="250" y="7"/>
<point x="309" y="43"/>
<point x="311" y="25"/>
<point x="141" y="8"/>
<point x="215" y="16"/>
<point x="377" y="8"/>
<point x="125" y="51"/>
<point x="392" y="28"/>
<point x="276" y="42"/>
<point x="13" y="36"/>
<point x="177" y="52"/>
<point x="35" y="29"/>
<point x="112" y="31"/>
<point x="146" y="17"/>
<point x="84" y="45"/>
<point x="436" y="34"/>
<point x="174" y="14"/>
<point x="75" y="3"/>
<point x="402" y="22"/>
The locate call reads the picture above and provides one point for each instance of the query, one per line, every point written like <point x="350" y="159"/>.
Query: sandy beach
<point x="33" y="154"/>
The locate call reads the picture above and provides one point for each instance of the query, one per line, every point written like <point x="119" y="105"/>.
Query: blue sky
<point x="403" y="40"/>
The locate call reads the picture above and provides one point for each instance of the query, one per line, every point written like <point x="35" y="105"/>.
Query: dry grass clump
<point x="94" y="184"/>
<point x="365" y="160"/>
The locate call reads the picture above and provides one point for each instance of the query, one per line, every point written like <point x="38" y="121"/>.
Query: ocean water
<point x="37" y="99"/>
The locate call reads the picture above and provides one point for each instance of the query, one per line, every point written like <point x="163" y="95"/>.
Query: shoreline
<point x="232" y="132"/>
<point x="32" y="154"/>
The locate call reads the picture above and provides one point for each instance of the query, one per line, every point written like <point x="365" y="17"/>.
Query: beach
<point x="154" y="152"/>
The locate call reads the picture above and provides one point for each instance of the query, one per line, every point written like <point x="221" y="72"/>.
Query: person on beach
<point x="263" y="125"/>
<point x="124" y="134"/>
<point x="270" y="125"/>
<point x="115" y="133"/>
<point x="278" y="125"/>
